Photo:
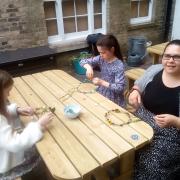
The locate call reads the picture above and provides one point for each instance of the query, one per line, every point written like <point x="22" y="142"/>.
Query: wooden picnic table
<point x="132" y="75"/>
<point x="156" y="51"/>
<point x="88" y="145"/>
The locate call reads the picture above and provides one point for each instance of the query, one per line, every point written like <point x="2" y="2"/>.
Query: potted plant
<point x="75" y="61"/>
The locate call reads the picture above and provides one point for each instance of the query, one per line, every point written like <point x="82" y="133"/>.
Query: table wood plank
<point x="64" y="138"/>
<point x="83" y="134"/>
<point x="99" y="100"/>
<point x="88" y="144"/>
<point x="101" y="129"/>
<point x="56" y="161"/>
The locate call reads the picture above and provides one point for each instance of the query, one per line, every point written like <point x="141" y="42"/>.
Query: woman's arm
<point x="148" y="76"/>
<point x="167" y="120"/>
<point x="141" y="83"/>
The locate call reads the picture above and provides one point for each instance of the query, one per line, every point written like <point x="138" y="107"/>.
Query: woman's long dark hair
<point x="108" y="41"/>
<point x="5" y="82"/>
<point x="173" y="42"/>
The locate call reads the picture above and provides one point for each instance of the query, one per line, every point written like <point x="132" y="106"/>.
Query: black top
<point x="160" y="99"/>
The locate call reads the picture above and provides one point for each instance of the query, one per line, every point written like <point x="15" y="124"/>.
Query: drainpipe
<point x="168" y="24"/>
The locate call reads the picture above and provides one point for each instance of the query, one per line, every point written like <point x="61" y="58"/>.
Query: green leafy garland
<point x="77" y="89"/>
<point x="41" y="110"/>
<point x="130" y="120"/>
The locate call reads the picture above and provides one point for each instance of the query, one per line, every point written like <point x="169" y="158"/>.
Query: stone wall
<point x="22" y="24"/>
<point x="119" y="16"/>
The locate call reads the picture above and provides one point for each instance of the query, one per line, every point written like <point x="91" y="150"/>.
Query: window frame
<point x="61" y="36"/>
<point x="145" y="19"/>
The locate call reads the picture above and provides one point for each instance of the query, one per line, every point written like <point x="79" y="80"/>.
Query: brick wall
<point x="119" y="15"/>
<point x="22" y="24"/>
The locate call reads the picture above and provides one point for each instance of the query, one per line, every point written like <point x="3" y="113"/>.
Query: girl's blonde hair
<point x="6" y="81"/>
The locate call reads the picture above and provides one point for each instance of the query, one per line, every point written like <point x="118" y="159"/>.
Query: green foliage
<point x="82" y="55"/>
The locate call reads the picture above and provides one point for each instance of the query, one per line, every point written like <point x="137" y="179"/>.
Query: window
<point x="141" y="11"/>
<point x="70" y="19"/>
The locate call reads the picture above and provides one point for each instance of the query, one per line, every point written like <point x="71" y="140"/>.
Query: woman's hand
<point x="45" y="119"/>
<point x="89" y="71"/>
<point x="25" y="111"/>
<point x="167" y="120"/>
<point x="135" y="99"/>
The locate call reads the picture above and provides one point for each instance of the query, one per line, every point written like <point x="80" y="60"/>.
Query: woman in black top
<point x="156" y="96"/>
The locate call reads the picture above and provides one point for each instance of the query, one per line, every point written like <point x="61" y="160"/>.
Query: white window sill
<point x="69" y="45"/>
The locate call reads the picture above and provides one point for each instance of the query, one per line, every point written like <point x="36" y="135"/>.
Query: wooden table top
<point x="157" y="49"/>
<point x="73" y="148"/>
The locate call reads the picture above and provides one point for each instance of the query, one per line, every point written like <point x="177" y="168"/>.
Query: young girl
<point x="15" y="159"/>
<point x="112" y="81"/>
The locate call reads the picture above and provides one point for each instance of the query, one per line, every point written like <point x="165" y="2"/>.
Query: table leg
<point x="101" y="174"/>
<point x="130" y="84"/>
<point x="87" y="177"/>
<point x="127" y="162"/>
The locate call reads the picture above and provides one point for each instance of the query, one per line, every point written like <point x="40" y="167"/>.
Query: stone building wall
<point x="22" y="24"/>
<point x="119" y="17"/>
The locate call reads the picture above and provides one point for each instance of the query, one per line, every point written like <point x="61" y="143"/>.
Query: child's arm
<point x="12" y="141"/>
<point x="93" y="61"/>
<point x="89" y="71"/>
<point x="119" y="83"/>
<point x="25" y="111"/>
<point x="88" y="64"/>
<point x="14" y="111"/>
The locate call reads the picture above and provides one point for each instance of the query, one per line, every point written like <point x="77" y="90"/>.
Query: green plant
<point x="82" y="55"/>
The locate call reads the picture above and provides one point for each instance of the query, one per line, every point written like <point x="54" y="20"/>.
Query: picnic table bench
<point x="21" y="61"/>
<point x="156" y="51"/>
<point x="132" y="75"/>
<point x="89" y="145"/>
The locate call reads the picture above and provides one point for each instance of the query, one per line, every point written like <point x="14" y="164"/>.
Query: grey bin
<point x="136" y="50"/>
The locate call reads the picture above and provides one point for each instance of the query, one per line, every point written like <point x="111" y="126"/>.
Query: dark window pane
<point x="144" y="7"/>
<point x="97" y="21"/>
<point x="134" y="9"/>
<point x="69" y="25"/>
<point x="49" y="10"/>
<point x="68" y="8"/>
<point x="82" y="23"/>
<point x="97" y="6"/>
<point x="81" y="7"/>
<point x="51" y="27"/>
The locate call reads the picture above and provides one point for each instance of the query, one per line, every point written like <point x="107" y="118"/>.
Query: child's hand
<point x="135" y="99"/>
<point x="100" y="82"/>
<point x="96" y="81"/>
<point x="45" y="119"/>
<point x="25" y="111"/>
<point x="89" y="71"/>
<point x="166" y="120"/>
